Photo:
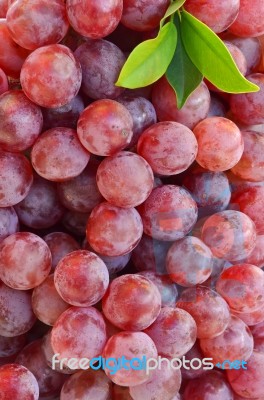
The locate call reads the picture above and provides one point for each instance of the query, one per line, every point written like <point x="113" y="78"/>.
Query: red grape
<point x="250" y="166"/>
<point x="195" y="109"/>
<point x="242" y="286"/>
<point x="10" y="346"/>
<point x="12" y="56"/>
<point x="169" y="213"/>
<point x="217" y="15"/>
<point x="18" y="383"/>
<point x="169" y="147"/>
<point x="8" y="222"/>
<point x="113" y="231"/>
<point x="94" y="19"/>
<point x="101" y="63"/>
<point x="210" y="386"/>
<point x="51" y="76"/>
<point x="81" y="278"/>
<point x="164" y="383"/>
<point x="230" y="235"/>
<point x="60" y="244"/>
<point x="25" y="260"/>
<point x="174" y="332"/>
<point x="40" y="208"/>
<point x="209" y="310"/>
<point x="125" y="179"/>
<point x="58" y="155"/>
<point x="168" y="290"/>
<point x="81" y="193"/>
<point x="210" y="190"/>
<point x="25" y="21"/>
<point x="248" y="108"/>
<point x="249" y="382"/>
<point x="142" y="112"/>
<point x="251" y="202"/>
<point x="132" y="302"/>
<point x="143" y="15"/>
<point x="105" y="127"/>
<point x="78" y="333"/>
<point x="47" y="303"/>
<point x="130" y="345"/>
<point x="33" y="358"/>
<point x="16" y="314"/>
<point x="83" y="385"/>
<point x="235" y="343"/>
<point x="189" y="261"/>
<point x="249" y="22"/>
<point x="15" y="178"/>
<point x="218" y="154"/>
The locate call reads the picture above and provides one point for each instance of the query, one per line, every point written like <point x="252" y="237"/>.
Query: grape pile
<point x="129" y="228"/>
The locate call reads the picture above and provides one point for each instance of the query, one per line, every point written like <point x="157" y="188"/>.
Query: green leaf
<point x="182" y="74"/>
<point x="211" y="57"/>
<point x="149" y="60"/>
<point x="173" y="7"/>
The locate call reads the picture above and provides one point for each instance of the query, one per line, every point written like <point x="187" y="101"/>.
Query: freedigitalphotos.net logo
<point x="113" y="365"/>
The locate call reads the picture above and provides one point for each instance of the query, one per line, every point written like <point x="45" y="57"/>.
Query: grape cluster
<point x="128" y="227"/>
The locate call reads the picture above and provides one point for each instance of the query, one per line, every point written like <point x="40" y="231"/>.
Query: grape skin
<point x="18" y="383"/>
<point x="249" y="22"/>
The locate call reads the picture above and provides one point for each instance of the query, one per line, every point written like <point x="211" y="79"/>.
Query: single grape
<point x="164" y="383"/>
<point x="220" y="144"/>
<point x="58" y="155"/>
<point x="60" y="244"/>
<point x="235" y="343"/>
<point x="113" y="231"/>
<point x="92" y="385"/>
<point x="242" y="286"/>
<point x="12" y="56"/>
<point x="94" y="19"/>
<point x="167" y="288"/>
<point x="51" y="76"/>
<point x="249" y="22"/>
<point x="3" y="82"/>
<point x="210" y="386"/>
<point x="150" y="255"/>
<point x="251" y="203"/>
<point x="131" y="345"/>
<point x="249" y="382"/>
<point x="209" y="310"/>
<point x="15" y="178"/>
<point x="10" y="346"/>
<point x="174" y="332"/>
<point x="248" y="108"/>
<point x="25" y="260"/>
<point x="142" y="112"/>
<point x="101" y="63"/>
<point x="18" y="383"/>
<point x="78" y="333"/>
<point x="230" y="235"/>
<point x="81" y="278"/>
<point x="165" y="102"/>
<point x="47" y="303"/>
<point x="169" y="213"/>
<point x="40" y="208"/>
<point x="125" y="179"/>
<point x="217" y="15"/>
<point x="66" y="116"/>
<point x="9" y="223"/>
<point x="189" y="262"/>
<point x="169" y="147"/>
<point x="210" y="190"/>
<point x="32" y="357"/>
<point x="132" y="302"/>
<point x="25" y="21"/>
<point x="16" y="314"/>
<point x="105" y="127"/>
